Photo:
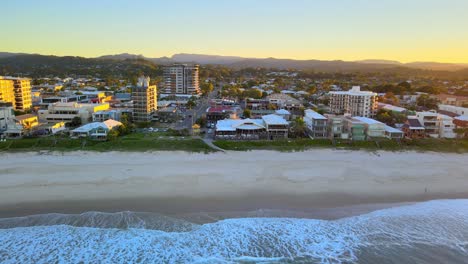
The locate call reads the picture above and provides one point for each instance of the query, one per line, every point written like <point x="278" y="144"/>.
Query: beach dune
<point x="181" y="182"/>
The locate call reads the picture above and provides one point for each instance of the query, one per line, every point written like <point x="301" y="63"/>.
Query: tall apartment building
<point x="181" y="79"/>
<point x="16" y="91"/>
<point x="354" y="102"/>
<point x="145" y="100"/>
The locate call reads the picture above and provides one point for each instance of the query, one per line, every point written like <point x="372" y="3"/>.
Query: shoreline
<point x="320" y="182"/>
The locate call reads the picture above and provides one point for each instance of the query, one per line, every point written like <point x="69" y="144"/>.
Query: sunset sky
<point x="404" y="30"/>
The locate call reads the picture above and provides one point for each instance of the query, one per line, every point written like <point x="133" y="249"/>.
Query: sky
<point x="403" y="30"/>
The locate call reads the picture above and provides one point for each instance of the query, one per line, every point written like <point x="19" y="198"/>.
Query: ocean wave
<point x="414" y="230"/>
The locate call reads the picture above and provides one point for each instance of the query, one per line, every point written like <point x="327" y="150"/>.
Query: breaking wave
<point x="429" y="232"/>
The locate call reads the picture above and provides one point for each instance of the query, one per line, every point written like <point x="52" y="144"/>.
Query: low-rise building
<point x="393" y="108"/>
<point x="276" y="126"/>
<point x="336" y="127"/>
<point x="456" y="110"/>
<point x="96" y="130"/>
<point x="449" y="99"/>
<point x="355" y="129"/>
<point x="215" y="113"/>
<point x="373" y="128"/>
<point x="393" y="133"/>
<point x="430" y="122"/>
<point x="268" y="127"/>
<point x="65" y="112"/>
<point x="446" y="126"/>
<point x="28" y="121"/>
<point x="114" y="114"/>
<point x="317" y="124"/>
<point x="461" y="121"/>
<point x="413" y="128"/>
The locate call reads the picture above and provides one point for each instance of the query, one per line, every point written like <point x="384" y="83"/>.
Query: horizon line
<point x="270" y="57"/>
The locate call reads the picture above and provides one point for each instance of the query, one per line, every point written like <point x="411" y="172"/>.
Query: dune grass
<point x="133" y="142"/>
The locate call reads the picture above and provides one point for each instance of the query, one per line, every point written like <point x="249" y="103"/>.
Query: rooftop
<point x="274" y="120"/>
<point x="367" y="120"/>
<point x="312" y="114"/>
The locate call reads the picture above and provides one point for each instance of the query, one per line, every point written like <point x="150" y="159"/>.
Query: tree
<point x="312" y="89"/>
<point x="426" y="101"/>
<point x="299" y="127"/>
<point x="75" y="122"/>
<point x="207" y="88"/>
<point x="201" y="121"/>
<point x="252" y="93"/>
<point x="390" y="98"/>
<point x="384" y="116"/>
<point x="247" y="113"/>
<point x="191" y="103"/>
<point x="112" y="135"/>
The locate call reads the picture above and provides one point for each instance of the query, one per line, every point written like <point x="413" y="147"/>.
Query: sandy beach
<point x="179" y="182"/>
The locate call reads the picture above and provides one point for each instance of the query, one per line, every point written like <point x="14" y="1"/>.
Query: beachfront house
<point x="336" y="127"/>
<point x="317" y="124"/>
<point x="268" y="127"/>
<point x="96" y="130"/>
<point x="413" y="128"/>
<point x="393" y="133"/>
<point x="356" y="129"/>
<point x="373" y="128"/>
<point x="430" y="122"/>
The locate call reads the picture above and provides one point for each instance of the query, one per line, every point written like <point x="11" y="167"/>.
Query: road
<point x="199" y="110"/>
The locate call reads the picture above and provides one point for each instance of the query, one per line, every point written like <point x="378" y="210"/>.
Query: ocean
<point x="427" y="232"/>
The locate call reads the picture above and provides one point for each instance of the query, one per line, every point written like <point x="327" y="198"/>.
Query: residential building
<point x="9" y="128"/>
<point x="373" y="128"/>
<point x="413" y="128"/>
<point x="276" y="126"/>
<point x="28" y="121"/>
<point x="393" y="133"/>
<point x="456" y="110"/>
<point x="58" y="112"/>
<point x="7" y="116"/>
<point x="268" y="127"/>
<point x="446" y="126"/>
<point x="114" y="114"/>
<point x="336" y="127"/>
<point x="284" y="114"/>
<point x="259" y="107"/>
<point x="181" y="79"/>
<point x="7" y="93"/>
<point x="284" y="101"/>
<point x="455" y="100"/>
<point x="461" y="121"/>
<point x="393" y="108"/>
<point x="317" y="124"/>
<point x="355" y="129"/>
<point x="215" y="113"/>
<point x="21" y="91"/>
<point x="430" y="122"/>
<point x="96" y="130"/>
<point x="145" y="100"/>
<point x="353" y="102"/>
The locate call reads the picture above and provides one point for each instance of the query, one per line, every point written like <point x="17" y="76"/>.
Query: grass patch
<point x="423" y="145"/>
<point x="279" y="145"/>
<point x="133" y="142"/>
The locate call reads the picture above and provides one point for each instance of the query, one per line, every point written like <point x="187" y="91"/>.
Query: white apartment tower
<point x="353" y="102"/>
<point x="181" y="79"/>
<point x="145" y="100"/>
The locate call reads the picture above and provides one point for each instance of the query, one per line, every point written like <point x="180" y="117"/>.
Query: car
<point x="210" y="131"/>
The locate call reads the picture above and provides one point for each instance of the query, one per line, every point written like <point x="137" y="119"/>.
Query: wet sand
<point x="323" y="184"/>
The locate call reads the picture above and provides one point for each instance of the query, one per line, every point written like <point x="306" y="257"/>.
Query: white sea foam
<point x="443" y="223"/>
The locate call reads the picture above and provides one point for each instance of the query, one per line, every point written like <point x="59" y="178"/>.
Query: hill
<point x="40" y="66"/>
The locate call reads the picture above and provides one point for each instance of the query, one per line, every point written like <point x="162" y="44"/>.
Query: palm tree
<point x="299" y="127"/>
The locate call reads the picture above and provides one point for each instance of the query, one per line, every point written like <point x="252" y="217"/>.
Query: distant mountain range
<point x="241" y="62"/>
